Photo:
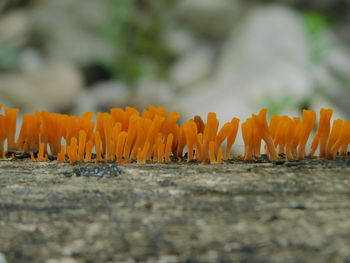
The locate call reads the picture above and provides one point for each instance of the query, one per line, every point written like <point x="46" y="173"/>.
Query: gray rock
<point x="61" y="260"/>
<point x="15" y="28"/>
<point x="211" y="18"/>
<point x="194" y="66"/>
<point x="103" y="95"/>
<point x="168" y="259"/>
<point x="75" y="35"/>
<point x="30" y="60"/>
<point x="2" y="258"/>
<point x="152" y="90"/>
<point x="265" y="60"/>
<point x="53" y="86"/>
<point x="180" y="41"/>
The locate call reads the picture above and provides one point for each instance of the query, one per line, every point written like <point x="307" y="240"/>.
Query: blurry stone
<point x="2" y="258"/>
<point x="103" y="96"/>
<point x="193" y="66"/>
<point x="168" y="259"/>
<point x="339" y="60"/>
<point x="30" y="60"/>
<point x="331" y="76"/>
<point x="180" y="41"/>
<point x="54" y="86"/>
<point x="14" y="28"/>
<point x="265" y="61"/>
<point x="61" y="260"/>
<point x="151" y="90"/>
<point x="208" y="17"/>
<point x="76" y="35"/>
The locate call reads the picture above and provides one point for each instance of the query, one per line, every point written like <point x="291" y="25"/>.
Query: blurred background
<point x="194" y="56"/>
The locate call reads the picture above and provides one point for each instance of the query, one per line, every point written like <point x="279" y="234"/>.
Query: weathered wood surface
<point x="257" y="212"/>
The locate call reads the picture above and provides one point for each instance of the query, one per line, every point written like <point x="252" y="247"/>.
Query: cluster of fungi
<point x="126" y="136"/>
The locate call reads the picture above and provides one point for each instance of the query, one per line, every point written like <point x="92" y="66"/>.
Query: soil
<point x="235" y="212"/>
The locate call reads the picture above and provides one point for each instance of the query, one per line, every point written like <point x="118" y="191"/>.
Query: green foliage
<point x="278" y="106"/>
<point x="316" y="25"/>
<point x="137" y="30"/>
<point x="8" y="57"/>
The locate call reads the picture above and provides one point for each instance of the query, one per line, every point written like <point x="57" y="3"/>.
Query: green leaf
<point x="8" y="57"/>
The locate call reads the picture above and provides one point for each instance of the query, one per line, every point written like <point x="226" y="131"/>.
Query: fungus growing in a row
<point x="28" y="139"/>
<point x="120" y="146"/>
<point x="209" y="135"/>
<point x="339" y="139"/>
<point x="231" y="137"/>
<point x="168" y="147"/>
<point x="344" y="139"/>
<point x="10" y="122"/>
<point x="308" y="123"/>
<point x="61" y="154"/>
<point x="291" y="144"/>
<point x="190" y="130"/>
<point x="41" y="152"/>
<point x="126" y="136"/>
<point x="260" y="122"/>
<point x="72" y="150"/>
<point x="290" y="135"/>
<point x="247" y="130"/>
<point x="322" y="134"/>
<point x="88" y="155"/>
<point x="212" y="152"/>
<point x="98" y="145"/>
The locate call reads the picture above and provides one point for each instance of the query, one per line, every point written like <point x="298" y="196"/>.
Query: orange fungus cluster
<point x="126" y="135"/>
